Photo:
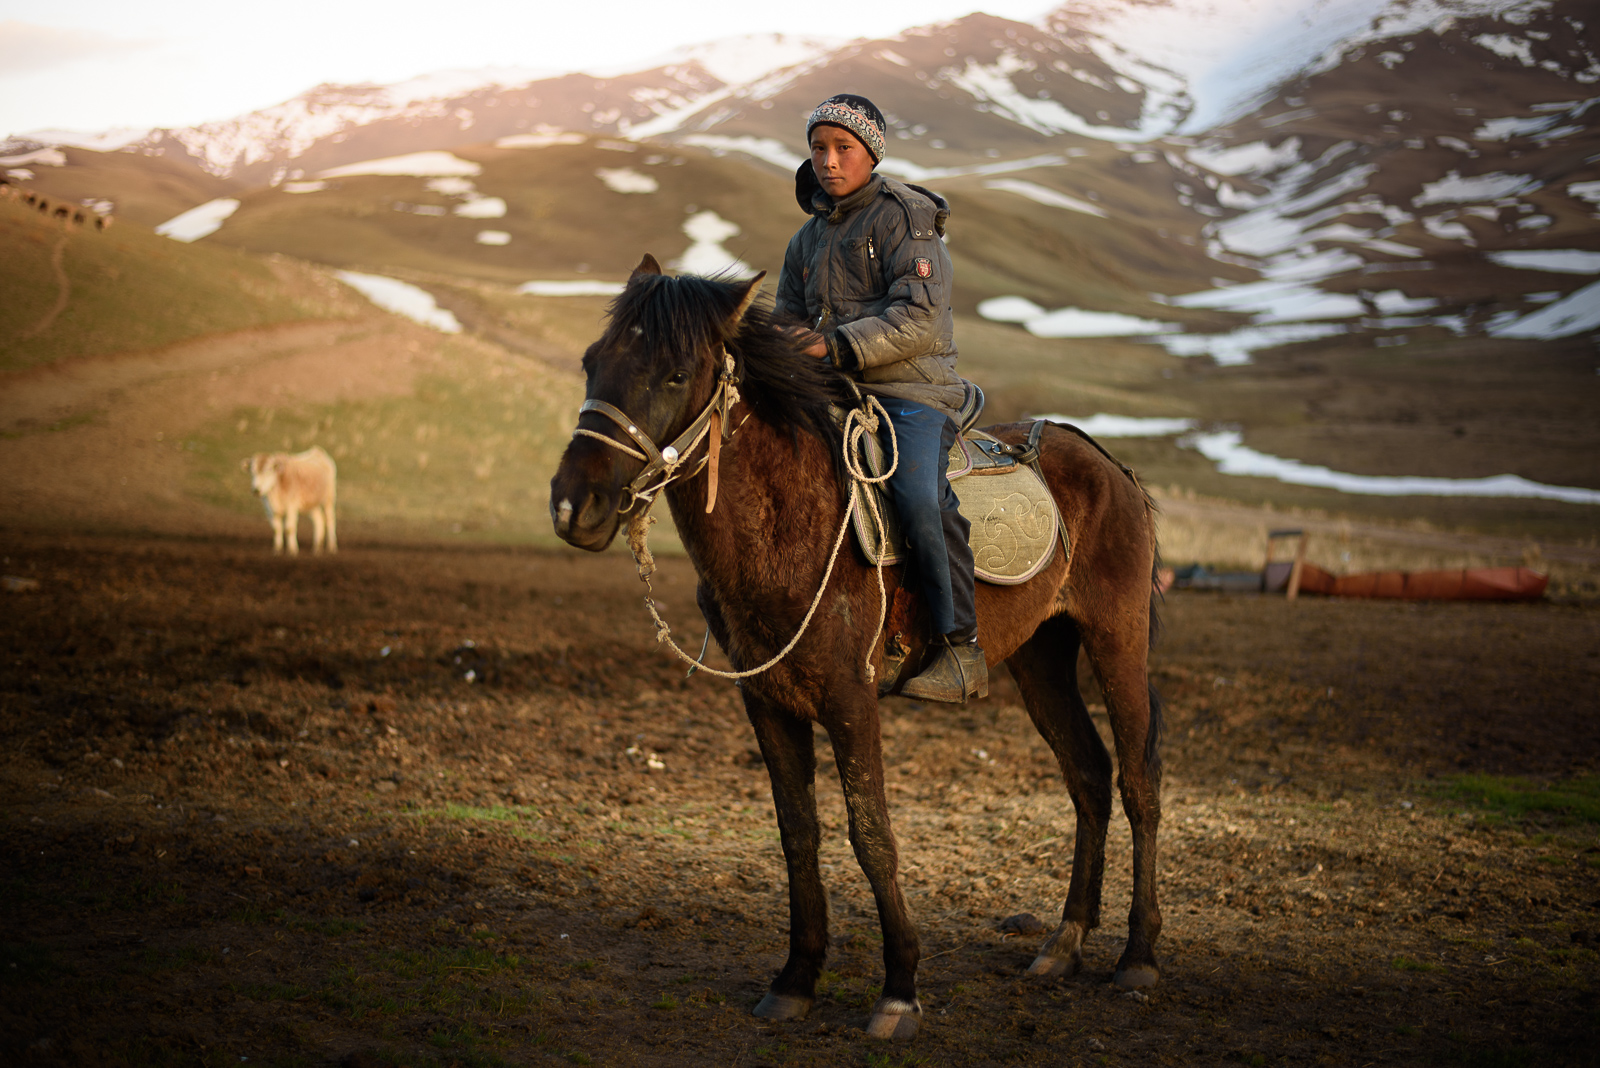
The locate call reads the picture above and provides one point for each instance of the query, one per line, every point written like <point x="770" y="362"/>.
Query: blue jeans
<point x="936" y="532"/>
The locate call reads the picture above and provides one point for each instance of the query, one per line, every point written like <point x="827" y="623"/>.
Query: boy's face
<point x="842" y="163"/>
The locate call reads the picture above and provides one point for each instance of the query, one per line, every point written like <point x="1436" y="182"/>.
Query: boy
<point x="870" y="276"/>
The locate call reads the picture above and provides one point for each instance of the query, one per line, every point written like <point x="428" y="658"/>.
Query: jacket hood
<point x="806" y="186"/>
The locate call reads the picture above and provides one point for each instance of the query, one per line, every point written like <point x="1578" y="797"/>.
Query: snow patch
<point x="1505" y="45"/>
<point x="544" y="137"/>
<point x="741" y="59"/>
<point x="452" y="187"/>
<point x="493" y="237"/>
<point x="767" y="149"/>
<point x="1044" y="195"/>
<point x="413" y="164"/>
<point x="1102" y="425"/>
<point x="1513" y="126"/>
<point x="992" y="86"/>
<point x="99" y="141"/>
<point x="708" y="230"/>
<point x="198" y="222"/>
<point x="402" y="298"/>
<point x="304" y="187"/>
<point x="1567" y="260"/>
<point x="479" y="207"/>
<point x="1454" y="189"/>
<point x="574" y="288"/>
<point x="1227" y="450"/>
<point x="1067" y="322"/>
<point x="627" y="180"/>
<point x="1274" y="301"/>
<point x="1577" y="313"/>
<point x="1236" y="346"/>
<point x="41" y="157"/>
<point x="1255" y="158"/>
<point x="1009" y="309"/>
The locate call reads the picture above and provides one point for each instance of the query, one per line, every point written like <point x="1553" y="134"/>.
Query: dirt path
<point x="63" y="294"/>
<point x="97" y="442"/>
<point x="444" y="807"/>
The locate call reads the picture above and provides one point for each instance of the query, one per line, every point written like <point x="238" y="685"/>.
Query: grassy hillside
<point x="563" y="220"/>
<point x="84" y="292"/>
<point x="468" y="452"/>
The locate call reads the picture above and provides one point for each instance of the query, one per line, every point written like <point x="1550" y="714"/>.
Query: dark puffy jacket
<point x="872" y="274"/>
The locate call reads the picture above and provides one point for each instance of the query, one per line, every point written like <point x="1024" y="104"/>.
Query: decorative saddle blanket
<point x="1014" y="520"/>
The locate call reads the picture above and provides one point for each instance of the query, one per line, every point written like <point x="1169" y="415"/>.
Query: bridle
<point x="669" y="463"/>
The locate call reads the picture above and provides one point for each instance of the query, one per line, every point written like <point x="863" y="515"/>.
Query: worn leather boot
<point x="958" y="672"/>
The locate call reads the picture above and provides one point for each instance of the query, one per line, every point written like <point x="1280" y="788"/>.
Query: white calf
<point x="291" y="484"/>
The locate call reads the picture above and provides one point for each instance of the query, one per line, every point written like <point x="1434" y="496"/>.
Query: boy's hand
<point x="813" y="343"/>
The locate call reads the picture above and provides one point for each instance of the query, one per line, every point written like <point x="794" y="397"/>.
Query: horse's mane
<point x="688" y="314"/>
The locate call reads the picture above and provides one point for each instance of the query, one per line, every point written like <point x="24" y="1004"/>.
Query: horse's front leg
<point x="788" y="748"/>
<point x="859" y="752"/>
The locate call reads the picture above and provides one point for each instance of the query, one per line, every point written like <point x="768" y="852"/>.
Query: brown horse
<point x="670" y="348"/>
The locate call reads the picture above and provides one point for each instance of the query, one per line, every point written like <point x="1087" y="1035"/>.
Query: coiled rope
<point x="858" y="423"/>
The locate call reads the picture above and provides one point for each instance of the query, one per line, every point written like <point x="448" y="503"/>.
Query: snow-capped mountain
<point x="1315" y="166"/>
<point x="1445" y="176"/>
<point x="332" y="125"/>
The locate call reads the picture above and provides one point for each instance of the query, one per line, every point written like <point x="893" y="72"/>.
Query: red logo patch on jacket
<point x="924" y="267"/>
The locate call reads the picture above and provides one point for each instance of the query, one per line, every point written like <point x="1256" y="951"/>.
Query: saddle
<point x="1014" y="520"/>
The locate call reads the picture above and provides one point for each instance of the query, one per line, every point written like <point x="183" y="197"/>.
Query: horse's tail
<point x="1152" y="745"/>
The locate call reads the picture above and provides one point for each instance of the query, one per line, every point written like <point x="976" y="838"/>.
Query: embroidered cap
<point x="855" y="113"/>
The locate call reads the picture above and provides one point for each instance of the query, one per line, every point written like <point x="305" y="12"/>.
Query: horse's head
<point x="649" y="377"/>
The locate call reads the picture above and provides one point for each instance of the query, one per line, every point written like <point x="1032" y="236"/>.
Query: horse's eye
<point x="678" y="378"/>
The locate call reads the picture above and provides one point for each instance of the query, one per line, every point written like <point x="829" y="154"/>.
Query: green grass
<point x="1567" y="802"/>
<point x="131" y="289"/>
<point x="1409" y="964"/>
<point x="331" y="926"/>
<point x="439" y="963"/>
<point x="513" y="817"/>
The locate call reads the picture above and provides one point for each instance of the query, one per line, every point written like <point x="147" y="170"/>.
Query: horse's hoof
<point x="1136" y="976"/>
<point x="893" y="1018"/>
<point x="1050" y="967"/>
<point x="1061" y="955"/>
<point x="782" y="1007"/>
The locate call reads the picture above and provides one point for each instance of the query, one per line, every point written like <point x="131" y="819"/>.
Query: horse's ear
<point x="745" y="301"/>
<point x="648" y="265"/>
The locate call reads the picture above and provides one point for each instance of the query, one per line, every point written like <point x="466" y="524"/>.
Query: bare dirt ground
<point x="435" y="806"/>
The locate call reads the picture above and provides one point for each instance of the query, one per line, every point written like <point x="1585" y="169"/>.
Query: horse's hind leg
<point x="787" y="747"/>
<point x="1046" y="672"/>
<point x="1120" y="656"/>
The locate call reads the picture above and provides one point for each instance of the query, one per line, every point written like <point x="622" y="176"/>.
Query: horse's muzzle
<point x="583" y="514"/>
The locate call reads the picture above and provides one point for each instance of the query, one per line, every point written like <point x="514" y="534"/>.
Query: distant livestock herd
<point x="69" y="214"/>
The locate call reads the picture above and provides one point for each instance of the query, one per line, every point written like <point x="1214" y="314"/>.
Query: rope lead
<point x="858" y="423"/>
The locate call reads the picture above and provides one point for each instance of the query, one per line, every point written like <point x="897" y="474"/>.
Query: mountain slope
<point x="75" y="292"/>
